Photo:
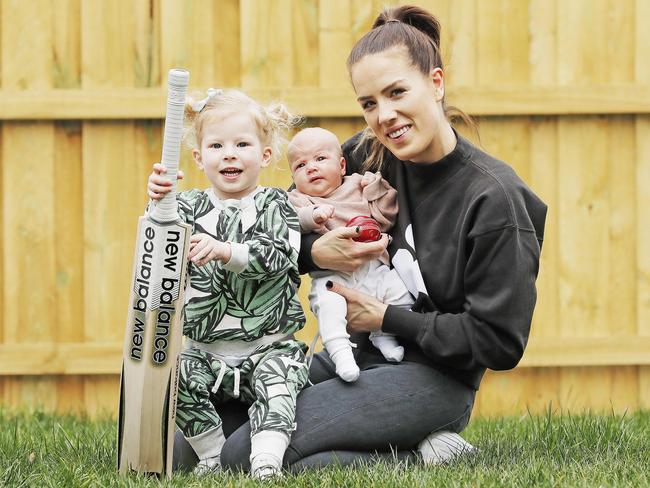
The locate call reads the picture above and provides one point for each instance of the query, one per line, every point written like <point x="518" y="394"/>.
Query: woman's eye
<point x="396" y="91"/>
<point x="367" y="105"/>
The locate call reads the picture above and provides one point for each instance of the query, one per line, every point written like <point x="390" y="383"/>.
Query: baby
<point x="326" y="199"/>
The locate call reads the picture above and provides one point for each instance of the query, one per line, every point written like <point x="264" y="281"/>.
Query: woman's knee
<point x="237" y="450"/>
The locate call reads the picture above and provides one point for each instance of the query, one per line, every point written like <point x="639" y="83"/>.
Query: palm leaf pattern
<point x="277" y="380"/>
<point x="271" y="379"/>
<point x="263" y="297"/>
<point x="195" y="414"/>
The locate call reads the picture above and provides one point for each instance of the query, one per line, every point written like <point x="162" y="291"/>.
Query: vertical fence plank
<point x="363" y="14"/>
<point x="461" y="47"/>
<point x="147" y="48"/>
<point x="67" y="45"/>
<point x="620" y="41"/>
<point x="266" y="52"/>
<point x="305" y="42"/>
<point x="227" y="51"/>
<point x="68" y="291"/>
<point x="543" y="41"/>
<point x="643" y="242"/>
<point x="642" y="76"/>
<point x="335" y="42"/>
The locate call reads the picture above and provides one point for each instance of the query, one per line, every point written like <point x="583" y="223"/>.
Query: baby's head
<point x="233" y="137"/>
<point x="316" y="162"/>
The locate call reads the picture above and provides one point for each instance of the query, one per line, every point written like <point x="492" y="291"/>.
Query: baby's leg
<point x="195" y="414"/>
<point x="330" y="309"/>
<point x="276" y="380"/>
<point x="392" y="291"/>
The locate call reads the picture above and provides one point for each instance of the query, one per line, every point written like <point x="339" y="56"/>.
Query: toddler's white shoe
<point x="208" y="466"/>
<point x="443" y="446"/>
<point x="266" y="467"/>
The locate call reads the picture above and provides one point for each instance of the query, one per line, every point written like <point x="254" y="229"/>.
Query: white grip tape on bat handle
<point x="166" y="210"/>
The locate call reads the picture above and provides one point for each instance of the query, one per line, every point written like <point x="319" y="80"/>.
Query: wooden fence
<point x="561" y="89"/>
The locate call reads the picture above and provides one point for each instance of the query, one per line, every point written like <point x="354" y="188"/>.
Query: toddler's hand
<point x="158" y="185"/>
<point x="205" y="248"/>
<point x="322" y="213"/>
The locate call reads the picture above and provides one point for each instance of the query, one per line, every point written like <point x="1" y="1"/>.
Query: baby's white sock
<point x="340" y="350"/>
<point x="267" y="451"/>
<point x="388" y="346"/>
<point x="207" y="447"/>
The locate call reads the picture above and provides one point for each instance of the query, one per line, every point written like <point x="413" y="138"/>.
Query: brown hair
<point x="419" y="32"/>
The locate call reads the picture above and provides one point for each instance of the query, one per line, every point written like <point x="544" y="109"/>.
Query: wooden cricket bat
<point x="154" y="326"/>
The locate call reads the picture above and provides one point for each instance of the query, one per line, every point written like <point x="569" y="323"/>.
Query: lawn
<point x="41" y="450"/>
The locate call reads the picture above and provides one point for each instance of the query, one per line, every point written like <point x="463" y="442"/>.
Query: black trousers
<point x="384" y="414"/>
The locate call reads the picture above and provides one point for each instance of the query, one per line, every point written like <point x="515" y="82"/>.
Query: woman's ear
<point x="267" y="152"/>
<point x="342" y="163"/>
<point x="196" y="154"/>
<point x="438" y="80"/>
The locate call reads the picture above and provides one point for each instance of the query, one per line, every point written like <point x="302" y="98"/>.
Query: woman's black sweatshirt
<point x="467" y="244"/>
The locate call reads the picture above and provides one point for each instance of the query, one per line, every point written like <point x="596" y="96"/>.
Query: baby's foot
<point x="394" y="355"/>
<point x="346" y="366"/>
<point x="389" y="347"/>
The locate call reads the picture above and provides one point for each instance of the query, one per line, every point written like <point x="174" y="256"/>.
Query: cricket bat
<point x="154" y="325"/>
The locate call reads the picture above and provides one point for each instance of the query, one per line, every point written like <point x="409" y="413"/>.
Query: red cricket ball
<point x="368" y="228"/>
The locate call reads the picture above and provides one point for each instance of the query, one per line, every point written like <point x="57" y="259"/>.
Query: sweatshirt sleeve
<point x="493" y="329"/>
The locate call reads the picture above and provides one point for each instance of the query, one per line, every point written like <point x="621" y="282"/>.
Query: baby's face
<point x="316" y="163"/>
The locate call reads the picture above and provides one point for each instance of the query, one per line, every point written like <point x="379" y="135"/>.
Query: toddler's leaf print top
<point x="256" y="292"/>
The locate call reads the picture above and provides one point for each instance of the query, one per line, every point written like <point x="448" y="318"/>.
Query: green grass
<point x="41" y="450"/>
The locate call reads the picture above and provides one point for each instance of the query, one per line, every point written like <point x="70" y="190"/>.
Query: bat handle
<point x="166" y="210"/>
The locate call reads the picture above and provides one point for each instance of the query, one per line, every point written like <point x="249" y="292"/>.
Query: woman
<point x="467" y="245"/>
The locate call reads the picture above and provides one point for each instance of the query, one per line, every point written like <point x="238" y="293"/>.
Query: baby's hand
<point x="367" y="178"/>
<point x="158" y="185"/>
<point x="205" y="248"/>
<point x="323" y="213"/>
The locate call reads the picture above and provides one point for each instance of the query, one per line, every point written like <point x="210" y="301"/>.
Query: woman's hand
<point x="158" y="185"/>
<point x="365" y="313"/>
<point x="205" y="248"/>
<point x="337" y="251"/>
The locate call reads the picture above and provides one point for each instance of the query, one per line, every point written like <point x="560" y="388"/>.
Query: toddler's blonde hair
<point x="272" y="121"/>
